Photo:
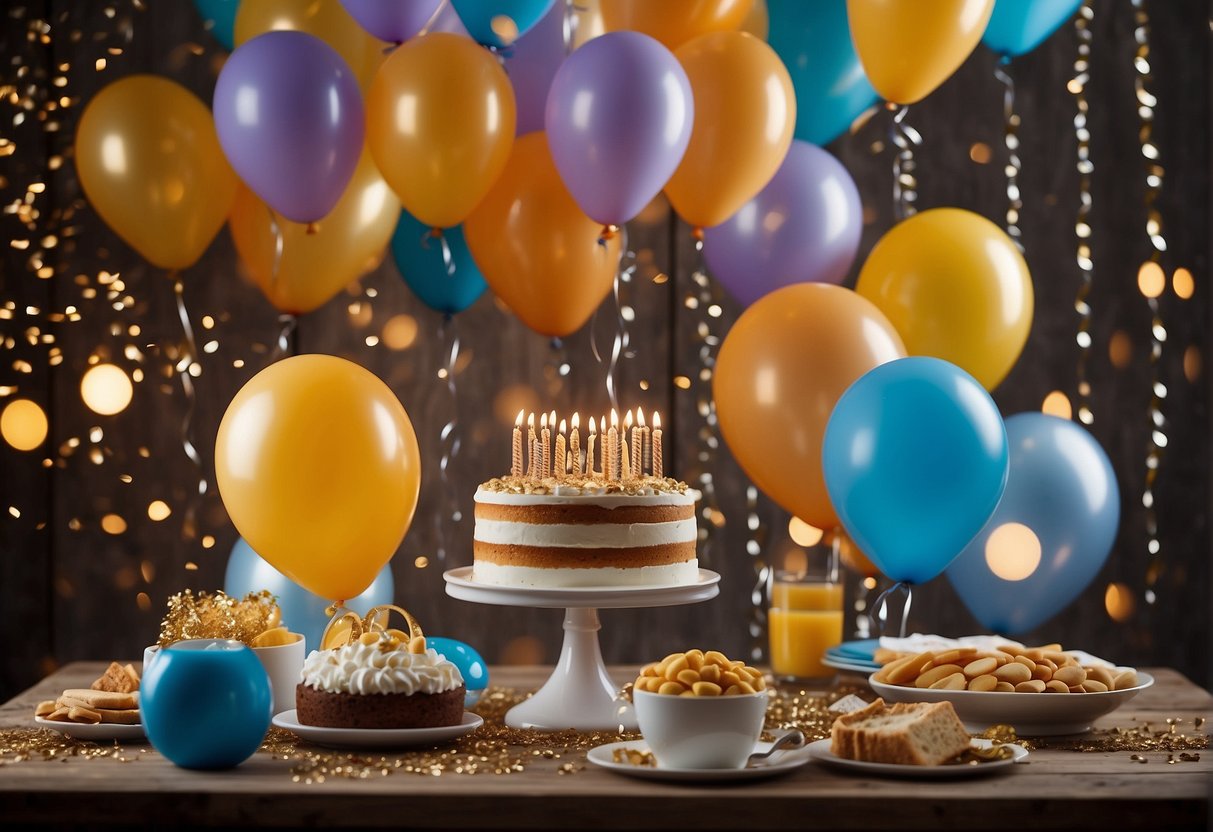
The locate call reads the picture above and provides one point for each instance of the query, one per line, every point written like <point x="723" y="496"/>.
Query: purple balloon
<point x="392" y="20"/>
<point x="618" y="121"/>
<point x="289" y="117"/>
<point x="804" y="226"/>
<point x="532" y="65"/>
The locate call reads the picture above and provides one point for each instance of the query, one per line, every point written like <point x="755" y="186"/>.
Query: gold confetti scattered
<point x="216" y="615"/>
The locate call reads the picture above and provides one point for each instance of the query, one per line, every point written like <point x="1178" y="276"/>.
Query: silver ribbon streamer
<point x="1010" y="137"/>
<point x="185" y="360"/>
<point x="705" y="406"/>
<point x="905" y="185"/>
<point x="624" y="312"/>
<point x="1082" y="223"/>
<point x="880" y="609"/>
<point x="282" y="344"/>
<point x="448" y="259"/>
<point x="448" y="333"/>
<point x="754" y="547"/>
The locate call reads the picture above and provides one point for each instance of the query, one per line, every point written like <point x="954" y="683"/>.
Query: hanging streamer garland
<point x="624" y="313"/>
<point x="905" y="184"/>
<point x="1082" y="223"/>
<point x="705" y="299"/>
<point x="1010" y="137"/>
<point x="754" y="547"/>
<point x="448" y="333"/>
<point x="1157" y="420"/>
<point x="187" y="368"/>
<point x="880" y="609"/>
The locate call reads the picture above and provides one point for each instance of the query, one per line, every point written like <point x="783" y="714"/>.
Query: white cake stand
<point x="579" y="693"/>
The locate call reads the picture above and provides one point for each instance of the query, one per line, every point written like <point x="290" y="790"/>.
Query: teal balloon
<point x="478" y="16"/>
<point x="813" y="40"/>
<point x="220" y="19"/>
<point x="302" y="611"/>
<point x="471" y="665"/>
<point x="915" y="461"/>
<point x="1061" y="487"/>
<point x="1019" y="26"/>
<point x="421" y="263"/>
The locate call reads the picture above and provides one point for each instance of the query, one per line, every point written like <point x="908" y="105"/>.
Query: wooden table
<point x="1054" y="790"/>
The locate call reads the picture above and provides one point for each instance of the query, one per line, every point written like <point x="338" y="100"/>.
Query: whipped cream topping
<point x="365" y="669"/>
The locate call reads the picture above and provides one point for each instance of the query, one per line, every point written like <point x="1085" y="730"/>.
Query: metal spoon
<point x="784" y="742"/>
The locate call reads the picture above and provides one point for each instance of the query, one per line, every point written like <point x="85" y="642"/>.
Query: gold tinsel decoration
<point x="218" y="615"/>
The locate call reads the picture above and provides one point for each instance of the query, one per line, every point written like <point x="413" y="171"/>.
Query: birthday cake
<point x="574" y="517"/>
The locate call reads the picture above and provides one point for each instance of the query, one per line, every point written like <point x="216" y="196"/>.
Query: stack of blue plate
<point x="854" y="656"/>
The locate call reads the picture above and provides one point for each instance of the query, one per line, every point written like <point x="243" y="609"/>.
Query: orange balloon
<point x="440" y="124"/>
<point x="909" y="48"/>
<point x="674" y="22"/>
<point x="781" y="369"/>
<point x="319" y="469"/>
<point x="538" y="251"/>
<point x="325" y="19"/>
<point x="151" y="165"/>
<point x="349" y="242"/>
<point x="745" y="113"/>
<point x="758" y="21"/>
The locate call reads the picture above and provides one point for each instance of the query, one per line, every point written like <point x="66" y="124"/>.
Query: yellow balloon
<point x="674" y="22"/>
<point x="151" y="165"/>
<point x="314" y="267"/>
<point x="538" y="251"/>
<point x="781" y="369"/>
<point x="956" y="287"/>
<point x="910" y="47"/>
<point x="319" y="469"/>
<point x="325" y="19"/>
<point x="440" y="124"/>
<point x="745" y="113"/>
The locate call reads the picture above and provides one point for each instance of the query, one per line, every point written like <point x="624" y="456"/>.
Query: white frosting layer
<point x="585" y="535"/>
<point x="365" y="669"/>
<point x="528" y="576"/>
<point x="577" y="496"/>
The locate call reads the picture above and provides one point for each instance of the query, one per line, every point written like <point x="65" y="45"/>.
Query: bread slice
<point x="103" y="699"/>
<point x="919" y="734"/>
<point x="118" y="679"/>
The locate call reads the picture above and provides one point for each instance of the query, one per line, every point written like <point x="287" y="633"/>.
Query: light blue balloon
<point x="302" y="611"/>
<point x="220" y="19"/>
<point x="420" y="261"/>
<point x="471" y="665"/>
<point x="915" y="461"/>
<point x="813" y="40"/>
<point x="478" y="15"/>
<point x="1063" y="488"/>
<point x="1019" y="26"/>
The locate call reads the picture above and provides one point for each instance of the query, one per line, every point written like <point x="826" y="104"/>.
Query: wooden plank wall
<point x="71" y="590"/>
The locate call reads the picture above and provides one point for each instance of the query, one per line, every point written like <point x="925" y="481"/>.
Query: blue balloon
<point x="915" y="461"/>
<point x="1019" y="26"/>
<point x="302" y="611"/>
<point x="220" y="19"/>
<point x="471" y="665"/>
<point x="1050" y="535"/>
<point x="420" y="261"/>
<point x="813" y="40"/>
<point x="478" y="17"/>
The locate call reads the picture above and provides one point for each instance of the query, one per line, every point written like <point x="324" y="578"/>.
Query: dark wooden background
<point x="71" y="590"/>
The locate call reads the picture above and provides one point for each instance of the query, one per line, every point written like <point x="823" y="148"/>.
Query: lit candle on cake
<point x="545" y="447"/>
<point x="625" y="461"/>
<point x="657" y="445"/>
<point x="630" y="451"/>
<point x="575" y="446"/>
<point x="604" y="451"/>
<point x="644" y="438"/>
<point x="531" y="448"/>
<point x="516" y="449"/>
<point x="589" y="450"/>
<point x="560" y="459"/>
<point x="613" y="457"/>
<point x="638" y="446"/>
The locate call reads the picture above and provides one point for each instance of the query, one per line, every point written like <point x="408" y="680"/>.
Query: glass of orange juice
<point x="805" y="618"/>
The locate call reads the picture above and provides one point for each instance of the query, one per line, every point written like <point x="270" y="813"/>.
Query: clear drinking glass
<point x="805" y="617"/>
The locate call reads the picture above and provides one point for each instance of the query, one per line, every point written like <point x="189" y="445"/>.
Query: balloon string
<point x="571" y="21"/>
<point x="881" y="608"/>
<point x="279" y="245"/>
<point x="705" y="406"/>
<point x="1010" y="137"/>
<point x="623" y="313"/>
<point x="184" y="368"/>
<point x="448" y="259"/>
<point x="557" y="367"/>
<point x="754" y="546"/>
<point x="448" y="333"/>
<point x="425" y="30"/>
<point x="1082" y="224"/>
<point x="282" y="344"/>
<point x="905" y="185"/>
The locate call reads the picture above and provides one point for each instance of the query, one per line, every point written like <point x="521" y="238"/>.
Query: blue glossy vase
<point x="206" y="703"/>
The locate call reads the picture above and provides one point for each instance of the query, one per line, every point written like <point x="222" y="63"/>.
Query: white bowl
<point x="1031" y="714"/>
<point x="700" y="732"/>
<point x="283" y="664"/>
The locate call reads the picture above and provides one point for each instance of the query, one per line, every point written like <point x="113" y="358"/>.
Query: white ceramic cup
<point x="700" y="732"/>
<point x="283" y="664"/>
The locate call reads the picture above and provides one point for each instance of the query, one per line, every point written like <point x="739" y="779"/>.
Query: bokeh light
<point x="802" y="533"/>
<point x="1057" y="404"/>
<point x="1013" y="551"/>
<point x="1118" y="601"/>
<point x="23" y="424"/>
<point x="106" y="389"/>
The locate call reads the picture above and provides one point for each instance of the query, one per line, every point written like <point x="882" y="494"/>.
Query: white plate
<point x="1031" y="714"/>
<point x="820" y="750"/>
<point x="362" y="738"/>
<point x="100" y="731"/>
<point x="462" y="585"/>
<point x="844" y="664"/>
<point x="781" y="763"/>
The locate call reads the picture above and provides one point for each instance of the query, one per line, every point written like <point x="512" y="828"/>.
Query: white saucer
<point x="100" y="731"/>
<point x="363" y="738"/>
<point x="852" y="666"/>
<point x="781" y="763"/>
<point x="820" y="750"/>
